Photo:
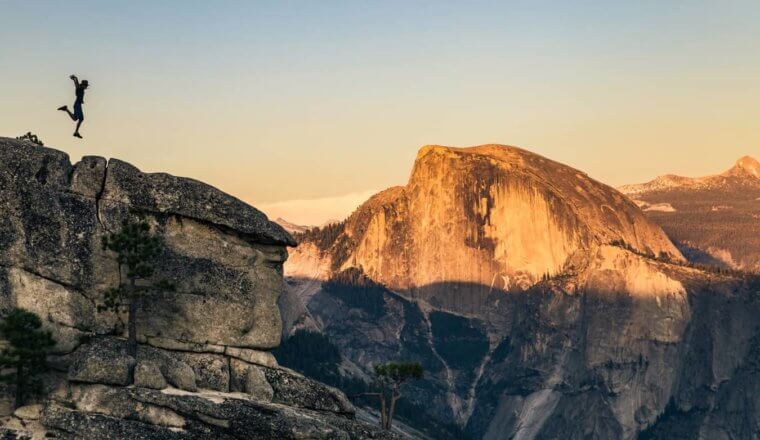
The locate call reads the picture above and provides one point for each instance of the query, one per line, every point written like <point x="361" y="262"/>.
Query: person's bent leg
<point x="65" y="108"/>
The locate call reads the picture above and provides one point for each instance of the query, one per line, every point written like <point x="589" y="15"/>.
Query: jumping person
<point x="77" y="115"/>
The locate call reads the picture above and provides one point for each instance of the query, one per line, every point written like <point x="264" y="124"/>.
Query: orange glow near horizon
<point x="304" y="109"/>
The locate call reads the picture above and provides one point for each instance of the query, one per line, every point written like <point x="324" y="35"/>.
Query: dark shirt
<point x="80" y="94"/>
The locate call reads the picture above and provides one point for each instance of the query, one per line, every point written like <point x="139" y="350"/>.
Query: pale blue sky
<point x="275" y="101"/>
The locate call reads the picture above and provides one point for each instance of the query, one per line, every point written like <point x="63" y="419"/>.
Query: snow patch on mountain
<point x="661" y="207"/>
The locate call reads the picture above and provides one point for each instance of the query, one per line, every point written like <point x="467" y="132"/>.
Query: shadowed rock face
<point x="202" y="369"/>
<point x="617" y="331"/>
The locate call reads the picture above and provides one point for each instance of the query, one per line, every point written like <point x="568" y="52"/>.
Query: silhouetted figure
<point x="77" y="115"/>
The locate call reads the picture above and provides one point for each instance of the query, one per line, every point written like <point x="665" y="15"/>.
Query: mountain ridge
<point x="714" y="220"/>
<point x="292" y="228"/>
<point x="745" y="170"/>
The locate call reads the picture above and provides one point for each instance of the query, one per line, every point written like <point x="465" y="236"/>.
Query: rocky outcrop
<point x="542" y="304"/>
<point x="203" y="369"/>
<point x="218" y="250"/>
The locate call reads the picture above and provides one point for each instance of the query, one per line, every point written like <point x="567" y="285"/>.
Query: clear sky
<point x="304" y="108"/>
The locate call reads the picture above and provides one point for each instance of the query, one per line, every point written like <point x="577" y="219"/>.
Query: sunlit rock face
<point x="541" y="303"/>
<point x="489" y="217"/>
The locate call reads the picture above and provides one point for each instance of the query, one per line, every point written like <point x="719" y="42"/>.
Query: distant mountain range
<point x="713" y="220"/>
<point x="300" y="229"/>
<point x="292" y="227"/>
<point x="541" y="303"/>
<point x="745" y="173"/>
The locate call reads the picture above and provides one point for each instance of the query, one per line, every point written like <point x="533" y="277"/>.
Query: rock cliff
<point x="203" y="368"/>
<point x="492" y="217"/>
<point x="543" y="304"/>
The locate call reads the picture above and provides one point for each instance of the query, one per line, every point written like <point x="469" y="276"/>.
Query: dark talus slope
<point x="714" y="220"/>
<point x="204" y="367"/>
<point x="542" y="304"/>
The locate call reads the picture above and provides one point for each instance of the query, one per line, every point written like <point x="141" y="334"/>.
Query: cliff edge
<point x="203" y="368"/>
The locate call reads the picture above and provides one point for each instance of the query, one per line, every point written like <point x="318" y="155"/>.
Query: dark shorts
<point x="78" y="114"/>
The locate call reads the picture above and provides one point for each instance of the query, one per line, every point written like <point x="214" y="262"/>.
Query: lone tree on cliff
<point x="23" y="360"/>
<point x="389" y="379"/>
<point x="136" y="249"/>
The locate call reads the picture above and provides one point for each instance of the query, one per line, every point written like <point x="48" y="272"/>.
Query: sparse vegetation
<point x="317" y="357"/>
<point x="665" y="258"/>
<point x="136" y="250"/>
<point x="31" y="137"/>
<point x="329" y="237"/>
<point x="389" y="379"/>
<point x="323" y="237"/>
<point x="623" y="244"/>
<point x="24" y="359"/>
<point x="710" y="220"/>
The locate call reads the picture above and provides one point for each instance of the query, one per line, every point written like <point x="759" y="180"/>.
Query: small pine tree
<point x="136" y="250"/>
<point x="389" y="379"/>
<point x="25" y="353"/>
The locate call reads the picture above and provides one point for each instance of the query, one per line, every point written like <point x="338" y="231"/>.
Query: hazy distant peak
<point x="745" y="166"/>
<point x="745" y="171"/>
<point x="291" y="227"/>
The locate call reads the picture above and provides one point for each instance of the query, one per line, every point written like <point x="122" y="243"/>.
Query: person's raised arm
<point x="75" y="79"/>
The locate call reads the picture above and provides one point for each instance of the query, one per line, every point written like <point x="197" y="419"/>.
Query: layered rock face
<point x="714" y="220"/>
<point x="203" y="369"/>
<point x="542" y="304"/>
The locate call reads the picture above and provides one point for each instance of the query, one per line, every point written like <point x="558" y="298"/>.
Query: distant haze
<point x="281" y="102"/>
<point x="316" y="212"/>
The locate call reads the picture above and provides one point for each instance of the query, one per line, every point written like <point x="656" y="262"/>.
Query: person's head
<point x="85" y="83"/>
